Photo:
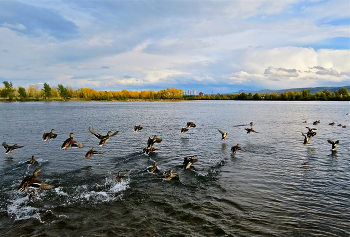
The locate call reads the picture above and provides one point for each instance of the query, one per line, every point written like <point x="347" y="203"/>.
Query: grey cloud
<point x="282" y="72"/>
<point x="105" y="67"/>
<point x="127" y="76"/>
<point x="35" y="21"/>
<point x="325" y="71"/>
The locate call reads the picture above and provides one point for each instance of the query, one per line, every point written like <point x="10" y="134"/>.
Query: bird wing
<point x="337" y="142"/>
<point x="16" y="146"/>
<point x="4" y="144"/>
<point x="98" y="152"/>
<point x="41" y="185"/>
<point x="113" y="134"/>
<point x="44" y="135"/>
<point x="66" y="143"/>
<point x="99" y="136"/>
<point x="331" y="142"/>
<point x="158" y="140"/>
<point x="53" y="135"/>
<point x="221" y="131"/>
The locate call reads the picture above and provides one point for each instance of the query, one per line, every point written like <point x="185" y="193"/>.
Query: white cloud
<point x="14" y="26"/>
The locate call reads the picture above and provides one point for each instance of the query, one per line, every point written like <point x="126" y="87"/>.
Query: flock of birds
<point x="32" y="181"/>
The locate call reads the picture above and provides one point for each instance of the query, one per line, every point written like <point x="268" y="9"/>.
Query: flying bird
<point x="310" y="132"/>
<point x="331" y="123"/>
<point x="70" y="142"/>
<point x="191" y="124"/>
<point x="137" y="128"/>
<point x="9" y="149"/>
<point x="153" y="140"/>
<point x="334" y="144"/>
<point x="249" y="130"/>
<point x="237" y="148"/>
<point x="32" y="181"/>
<point x="224" y="134"/>
<point x="48" y="135"/>
<point x="92" y="152"/>
<point x="184" y="129"/>
<point x="103" y="139"/>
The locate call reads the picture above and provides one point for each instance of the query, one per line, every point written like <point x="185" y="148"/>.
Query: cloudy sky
<point x="211" y="46"/>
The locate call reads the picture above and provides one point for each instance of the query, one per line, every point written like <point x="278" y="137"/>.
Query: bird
<point x="188" y="161"/>
<point x="153" y="168"/>
<point x="191" y="124"/>
<point x="103" y="139"/>
<point x="306" y="138"/>
<point x="137" y="128"/>
<point x="331" y="123"/>
<point x="69" y="142"/>
<point x="251" y="123"/>
<point x="236" y="148"/>
<point x="148" y="150"/>
<point x="118" y="177"/>
<point x="310" y="132"/>
<point x="249" y="130"/>
<point x="92" y="152"/>
<point x="9" y="149"/>
<point x="316" y="122"/>
<point x="334" y="144"/>
<point x="344" y="126"/>
<point x="340" y="125"/>
<point x="224" y="134"/>
<point x="48" y="135"/>
<point x="32" y="181"/>
<point x="31" y="161"/>
<point x="184" y="129"/>
<point x="305" y="121"/>
<point x="170" y="175"/>
<point x="153" y="140"/>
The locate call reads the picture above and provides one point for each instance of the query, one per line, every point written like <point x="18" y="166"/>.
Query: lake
<point x="277" y="187"/>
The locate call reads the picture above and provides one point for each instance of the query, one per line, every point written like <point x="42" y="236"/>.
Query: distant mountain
<point x="312" y="90"/>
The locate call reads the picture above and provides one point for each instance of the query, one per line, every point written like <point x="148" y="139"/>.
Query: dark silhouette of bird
<point x="316" y="122"/>
<point x="191" y="124"/>
<point x="70" y="142"/>
<point x="31" y="161"/>
<point x="340" y="125"/>
<point x="223" y="135"/>
<point x="331" y="123"/>
<point x="103" y="139"/>
<point x="32" y="181"/>
<point x="9" y="149"/>
<point x="237" y="148"/>
<point x="334" y="144"/>
<point x="92" y="152"/>
<point x="47" y="136"/>
<point x="184" y="129"/>
<point x="148" y="150"/>
<point x="188" y="161"/>
<point x="249" y="130"/>
<point x="310" y="132"/>
<point x="137" y="128"/>
<point x="152" y="141"/>
<point x="306" y="138"/>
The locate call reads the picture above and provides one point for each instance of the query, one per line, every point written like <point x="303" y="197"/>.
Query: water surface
<point x="278" y="187"/>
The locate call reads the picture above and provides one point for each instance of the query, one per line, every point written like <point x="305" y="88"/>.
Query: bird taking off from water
<point x="237" y="148"/>
<point x="249" y="130"/>
<point x="334" y="144"/>
<point x="32" y="181"/>
<point x="223" y="135"/>
<point x="9" y="149"/>
<point x="48" y="135"/>
<point x="103" y="139"/>
<point x="69" y="142"/>
<point x="92" y="152"/>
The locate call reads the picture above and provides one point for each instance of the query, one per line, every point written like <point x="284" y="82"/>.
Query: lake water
<point x="278" y="187"/>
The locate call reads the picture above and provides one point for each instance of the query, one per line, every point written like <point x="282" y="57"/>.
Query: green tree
<point x="8" y="91"/>
<point x="63" y="91"/>
<point x="256" y="96"/>
<point x="47" y="91"/>
<point x="22" y="93"/>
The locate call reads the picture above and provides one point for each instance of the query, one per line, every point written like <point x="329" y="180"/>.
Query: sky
<point x="208" y="46"/>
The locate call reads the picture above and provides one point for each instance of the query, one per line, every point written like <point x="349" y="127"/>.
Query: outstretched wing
<point x="113" y="134"/>
<point x="16" y="146"/>
<point x="4" y="144"/>
<point x="158" y="140"/>
<point x="331" y="142"/>
<point x="221" y="131"/>
<point x="99" y="136"/>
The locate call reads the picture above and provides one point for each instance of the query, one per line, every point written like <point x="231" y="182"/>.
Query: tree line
<point x="341" y="94"/>
<point x="35" y="93"/>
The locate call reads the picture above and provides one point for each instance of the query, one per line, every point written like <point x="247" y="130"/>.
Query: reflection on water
<point x="278" y="187"/>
